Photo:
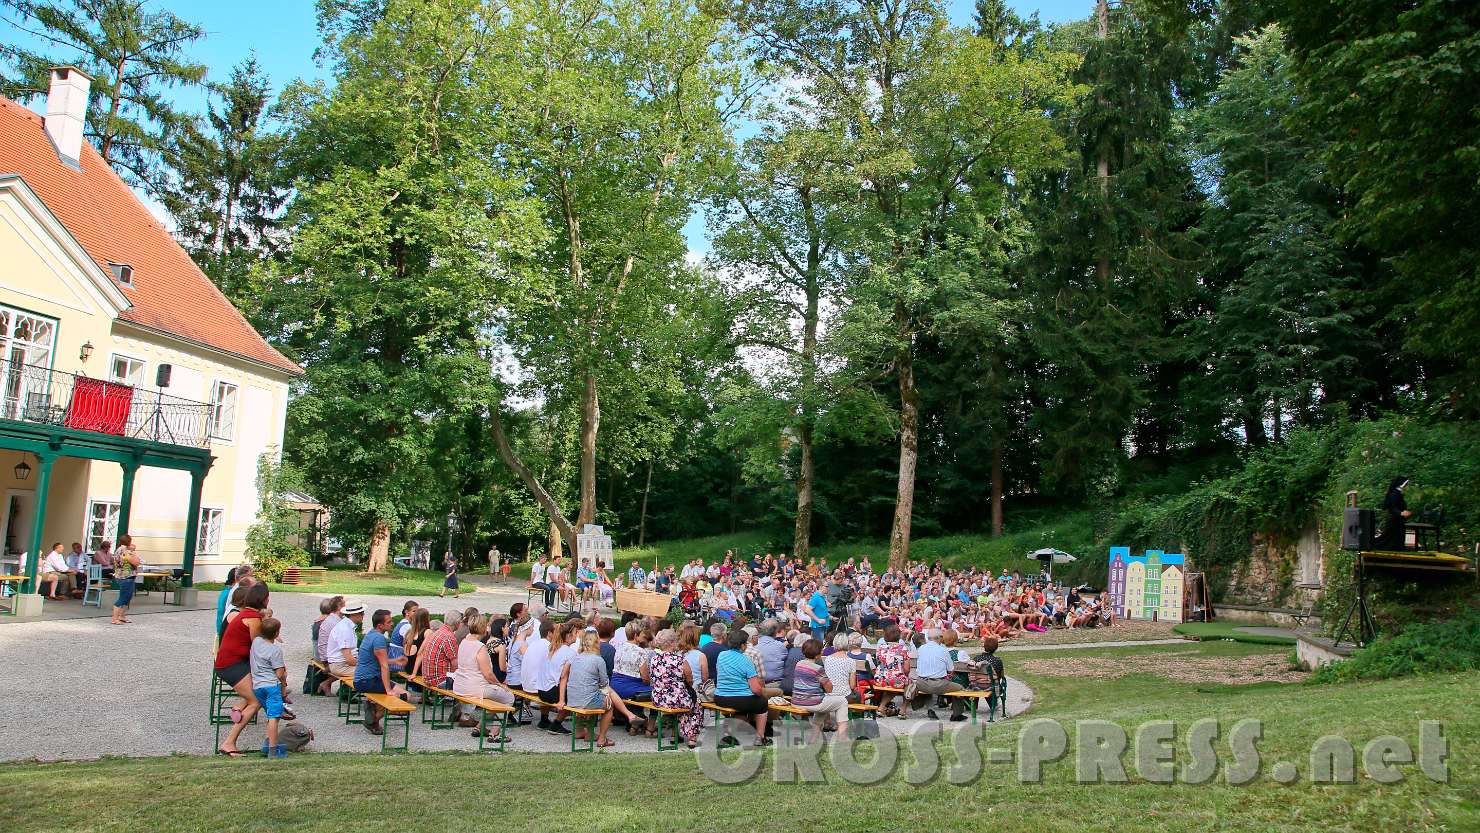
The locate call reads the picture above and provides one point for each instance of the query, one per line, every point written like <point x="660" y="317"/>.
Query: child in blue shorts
<point x="269" y="678"/>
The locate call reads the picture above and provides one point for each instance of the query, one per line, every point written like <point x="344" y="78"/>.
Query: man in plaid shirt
<point x="439" y="653"/>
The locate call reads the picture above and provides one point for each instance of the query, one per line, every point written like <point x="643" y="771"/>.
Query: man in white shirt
<point x="54" y="569"/>
<point x="539" y="579"/>
<point x="344" y="644"/>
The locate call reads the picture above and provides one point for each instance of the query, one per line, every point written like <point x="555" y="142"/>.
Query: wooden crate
<point x="305" y="575"/>
<point x="643" y="602"/>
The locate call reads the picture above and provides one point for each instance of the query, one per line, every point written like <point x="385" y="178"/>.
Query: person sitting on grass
<point x="373" y="668"/>
<point x="474" y="676"/>
<point x="814" y="691"/>
<point x="269" y="678"/>
<point x="738" y="685"/>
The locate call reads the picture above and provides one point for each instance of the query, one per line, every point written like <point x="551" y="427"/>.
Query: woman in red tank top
<point x="232" y="654"/>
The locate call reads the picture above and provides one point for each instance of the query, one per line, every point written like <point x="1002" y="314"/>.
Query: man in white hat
<point x="343" y="643"/>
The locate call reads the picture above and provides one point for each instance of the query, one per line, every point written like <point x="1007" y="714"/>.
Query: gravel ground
<point x="81" y="688"/>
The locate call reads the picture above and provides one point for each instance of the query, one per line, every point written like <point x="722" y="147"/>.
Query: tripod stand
<point x="1365" y="631"/>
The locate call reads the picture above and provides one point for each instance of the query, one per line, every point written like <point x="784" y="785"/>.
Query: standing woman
<point x="232" y="664"/>
<point x="450" y="582"/>
<point x="124" y="567"/>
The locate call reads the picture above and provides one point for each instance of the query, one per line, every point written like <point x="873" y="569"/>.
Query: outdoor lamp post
<point x="22" y="470"/>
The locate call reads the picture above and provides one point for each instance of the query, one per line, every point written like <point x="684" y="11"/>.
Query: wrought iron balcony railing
<point x="40" y="395"/>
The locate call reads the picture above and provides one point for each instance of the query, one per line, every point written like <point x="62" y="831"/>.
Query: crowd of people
<point x="757" y="633"/>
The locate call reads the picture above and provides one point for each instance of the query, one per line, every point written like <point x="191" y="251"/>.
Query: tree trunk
<point x="552" y="542"/>
<point x="642" y="518"/>
<point x="1278" y="433"/>
<point x="380" y="547"/>
<point x="801" y="542"/>
<point x="997" y="489"/>
<point x="590" y="425"/>
<point x="909" y="452"/>
<point x="541" y="495"/>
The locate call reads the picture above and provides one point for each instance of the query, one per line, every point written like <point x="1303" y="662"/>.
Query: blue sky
<point x="283" y="35"/>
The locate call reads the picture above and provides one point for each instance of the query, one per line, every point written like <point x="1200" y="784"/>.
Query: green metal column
<point x="192" y="528"/>
<point x="38" y="520"/>
<point x="126" y="499"/>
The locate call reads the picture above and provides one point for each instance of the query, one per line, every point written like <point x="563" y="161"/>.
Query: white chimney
<point x="66" y="109"/>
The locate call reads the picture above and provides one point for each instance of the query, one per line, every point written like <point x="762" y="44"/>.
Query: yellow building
<point x="1171" y="594"/>
<point x="133" y="396"/>
<point x="1135" y="590"/>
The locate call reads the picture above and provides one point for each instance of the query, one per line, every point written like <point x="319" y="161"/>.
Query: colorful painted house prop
<point x="1147" y="586"/>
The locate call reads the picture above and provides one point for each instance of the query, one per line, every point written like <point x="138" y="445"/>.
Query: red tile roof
<point x="169" y="293"/>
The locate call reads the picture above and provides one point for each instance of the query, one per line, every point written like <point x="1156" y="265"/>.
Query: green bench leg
<point x="385" y="725"/>
<point x="503" y="731"/>
<point x="576" y="720"/>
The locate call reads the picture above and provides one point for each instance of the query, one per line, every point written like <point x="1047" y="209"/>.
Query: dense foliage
<point x="1182" y="271"/>
<point x="1440" y="647"/>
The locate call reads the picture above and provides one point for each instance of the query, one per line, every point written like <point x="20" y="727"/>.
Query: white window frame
<point x="110" y="523"/>
<point x="223" y="413"/>
<point x="142" y="367"/>
<point x="208" y="540"/>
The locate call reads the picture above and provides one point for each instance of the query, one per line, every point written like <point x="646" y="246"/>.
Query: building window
<point x="208" y="536"/>
<point x="122" y="272"/>
<point x="27" y="345"/>
<point x="223" y="411"/>
<point x="127" y="370"/>
<point x="102" y="523"/>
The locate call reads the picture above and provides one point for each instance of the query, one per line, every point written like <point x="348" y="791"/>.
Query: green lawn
<point x="1228" y="630"/>
<point x="353" y="581"/>
<point x="554" y="793"/>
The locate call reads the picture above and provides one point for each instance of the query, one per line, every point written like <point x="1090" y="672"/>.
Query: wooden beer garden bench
<point x="396" y="711"/>
<point x="305" y="575"/>
<point x="659" y="713"/>
<point x="443" y="714"/>
<point x="793" y="718"/>
<point x="589" y="718"/>
<point x="996" y="697"/>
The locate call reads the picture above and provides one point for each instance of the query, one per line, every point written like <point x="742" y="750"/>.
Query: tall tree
<point x="1279" y="325"/>
<point x="134" y="55"/>
<point x="228" y="189"/>
<point x="785" y="250"/>
<point x="929" y="122"/>
<point x="612" y="109"/>
<point x="1392" y="88"/>
<point x="397" y="260"/>
<point x="1115" y="257"/>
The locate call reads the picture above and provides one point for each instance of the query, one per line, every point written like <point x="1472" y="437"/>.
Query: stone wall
<point x="1278" y="573"/>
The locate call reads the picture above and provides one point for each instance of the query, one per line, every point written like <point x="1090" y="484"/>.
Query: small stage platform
<point x="1416" y="560"/>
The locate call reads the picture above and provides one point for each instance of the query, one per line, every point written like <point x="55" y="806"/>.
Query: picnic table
<point x="10" y="582"/>
<point x="163" y="578"/>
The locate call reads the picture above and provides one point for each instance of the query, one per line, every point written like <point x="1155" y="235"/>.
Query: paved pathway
<point x="1081" y="646"/>
<point x="81" y="688"/>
